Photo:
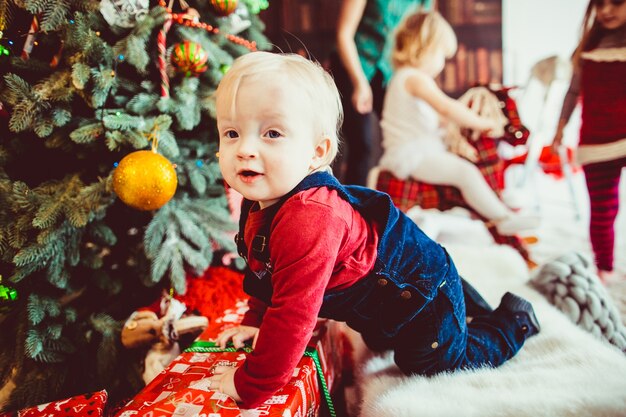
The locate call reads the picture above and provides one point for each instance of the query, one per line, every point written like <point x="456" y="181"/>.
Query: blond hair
<point x="311" y="79"/>
<point x="418" y="35"/>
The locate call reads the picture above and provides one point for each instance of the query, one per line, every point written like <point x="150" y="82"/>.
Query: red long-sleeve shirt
<point x="318" y="242"/>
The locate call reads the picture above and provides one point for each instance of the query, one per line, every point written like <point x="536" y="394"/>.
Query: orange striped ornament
<point x="224" y="7"/>
<point x="189" y="58"/>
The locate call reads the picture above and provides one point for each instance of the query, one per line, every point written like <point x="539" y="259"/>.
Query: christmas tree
<point x="109" y="185"/>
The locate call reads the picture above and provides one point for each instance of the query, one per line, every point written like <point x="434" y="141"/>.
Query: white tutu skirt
<point x="402" y="159"/>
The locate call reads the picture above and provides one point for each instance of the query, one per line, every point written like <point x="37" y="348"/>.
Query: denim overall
<point x="411" y="302"/>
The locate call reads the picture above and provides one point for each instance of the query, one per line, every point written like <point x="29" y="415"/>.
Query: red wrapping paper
<point x="85" y="405"/>
<point x="181" y="390"/>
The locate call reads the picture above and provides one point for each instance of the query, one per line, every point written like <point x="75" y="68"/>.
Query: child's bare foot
<point x="610" y="276"/>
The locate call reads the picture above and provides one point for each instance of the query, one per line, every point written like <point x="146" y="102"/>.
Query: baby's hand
<point x="489" y="128"/>
<point x="223" y="380"/>
<point x="238" y="335"/>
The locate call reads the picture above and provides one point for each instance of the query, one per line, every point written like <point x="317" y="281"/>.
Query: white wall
<point x="536" y="29"/>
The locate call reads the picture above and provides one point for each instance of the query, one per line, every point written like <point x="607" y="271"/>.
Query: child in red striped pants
<point x="599" y="78"/>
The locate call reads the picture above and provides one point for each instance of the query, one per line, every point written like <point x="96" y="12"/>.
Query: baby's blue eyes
<point x="273" y="134"/>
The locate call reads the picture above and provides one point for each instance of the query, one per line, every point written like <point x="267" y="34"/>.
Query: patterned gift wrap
<point x="85" y="405"/>
<point x="181" y="390"/>
<point x="408" y="193"/>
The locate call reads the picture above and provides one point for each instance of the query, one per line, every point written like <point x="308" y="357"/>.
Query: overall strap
<point x="260" y="243"/>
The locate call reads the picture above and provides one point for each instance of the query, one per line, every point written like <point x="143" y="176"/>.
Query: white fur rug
<point x="563" y="371"/>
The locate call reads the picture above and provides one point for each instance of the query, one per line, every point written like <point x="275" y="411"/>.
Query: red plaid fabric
<point x="408" y="193"/>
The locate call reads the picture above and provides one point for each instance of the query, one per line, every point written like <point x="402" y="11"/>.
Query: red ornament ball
<point x="189" y="58"/>
<point x="224" y="7"/>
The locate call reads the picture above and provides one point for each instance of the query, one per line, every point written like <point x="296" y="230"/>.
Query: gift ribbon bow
<point x="202" y="346"/>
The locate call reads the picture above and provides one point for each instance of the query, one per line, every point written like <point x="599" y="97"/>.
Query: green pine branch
<point x="81" y="260"/>
<point x="134" y="46"/>
<point x="107" y="350"/>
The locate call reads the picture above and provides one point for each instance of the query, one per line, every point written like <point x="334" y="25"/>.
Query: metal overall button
<point x="406" y="295"/>
<point x="382" y="282"/>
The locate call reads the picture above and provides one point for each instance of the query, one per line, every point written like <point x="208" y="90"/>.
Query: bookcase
<point x="478" y="26"/>
<point x="306" y="27"/>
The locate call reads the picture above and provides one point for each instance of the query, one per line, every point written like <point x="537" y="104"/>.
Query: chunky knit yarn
<point x="569" y="284"/>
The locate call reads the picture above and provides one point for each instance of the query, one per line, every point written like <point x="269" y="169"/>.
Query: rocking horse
<point x="482" y="150"/>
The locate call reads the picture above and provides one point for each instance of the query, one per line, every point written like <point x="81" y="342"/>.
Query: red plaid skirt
<point x="408" y="193"/>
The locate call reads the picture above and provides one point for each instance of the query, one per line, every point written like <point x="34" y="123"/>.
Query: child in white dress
<point x="415" y="109"/>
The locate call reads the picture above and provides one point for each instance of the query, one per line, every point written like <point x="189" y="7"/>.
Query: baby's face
<point x="267" y="137"/>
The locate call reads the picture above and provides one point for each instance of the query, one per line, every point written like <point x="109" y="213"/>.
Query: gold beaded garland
<point x="145" y="180"/>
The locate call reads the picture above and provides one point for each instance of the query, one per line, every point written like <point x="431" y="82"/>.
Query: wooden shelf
<point x="478" y="26"/>
<point x="489" y="36"/>
<point x="302" y="26"/>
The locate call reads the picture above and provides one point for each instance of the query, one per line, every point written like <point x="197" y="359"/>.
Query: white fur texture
<point x="563" y="371"/>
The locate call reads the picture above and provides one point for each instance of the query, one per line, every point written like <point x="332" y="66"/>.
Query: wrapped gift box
<point x="181" y="390"/>
<point x="91" y="405"/>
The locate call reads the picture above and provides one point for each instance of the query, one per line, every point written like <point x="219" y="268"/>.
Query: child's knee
<point x="441" y="350"/>
<point x="471" y="171"/>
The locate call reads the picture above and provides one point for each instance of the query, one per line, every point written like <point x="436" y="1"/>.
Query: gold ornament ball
<point x="145" y="180"/>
